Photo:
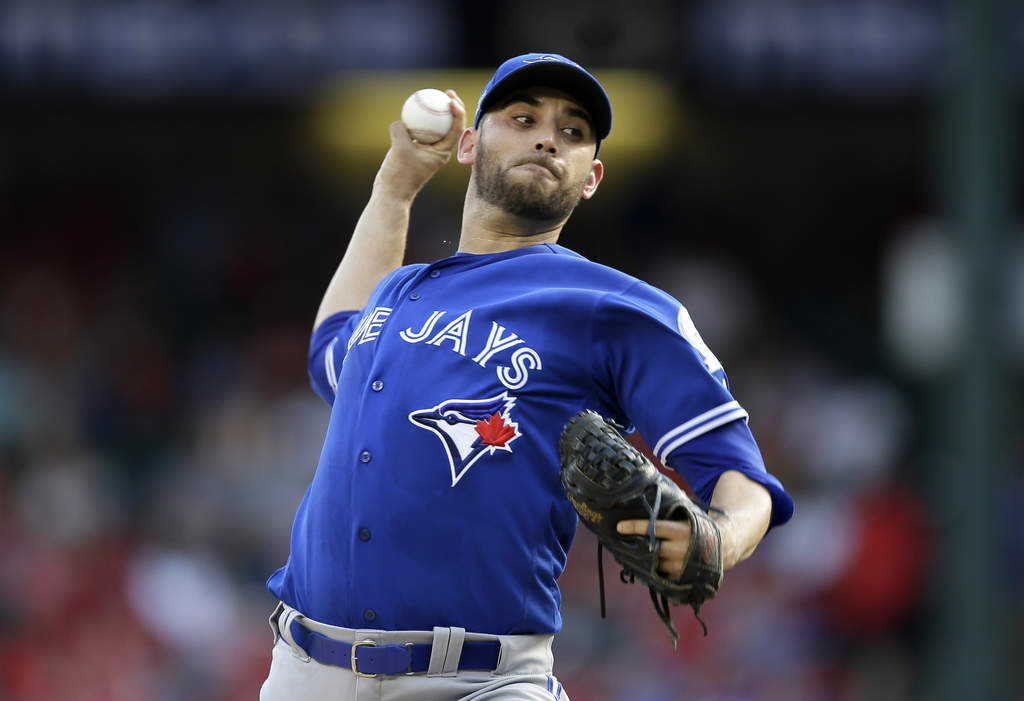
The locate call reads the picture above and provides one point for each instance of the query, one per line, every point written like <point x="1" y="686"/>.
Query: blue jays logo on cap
<point x="551" y="70"/>
<point x="549" y="57"/>
<point x="470" y="429"/>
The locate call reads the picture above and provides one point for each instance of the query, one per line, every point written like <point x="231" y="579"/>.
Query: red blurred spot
<point x="882" y="582"/>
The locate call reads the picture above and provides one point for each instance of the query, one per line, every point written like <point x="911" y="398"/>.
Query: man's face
<point x="535" y="155"/>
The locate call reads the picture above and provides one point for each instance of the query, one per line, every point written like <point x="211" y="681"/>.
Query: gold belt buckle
<point x="355" y="669"/>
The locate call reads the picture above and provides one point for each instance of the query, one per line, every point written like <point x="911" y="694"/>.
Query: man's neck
<point x="487" y="229"/>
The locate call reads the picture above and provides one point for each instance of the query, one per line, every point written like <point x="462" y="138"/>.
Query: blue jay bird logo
<point x="470" y="429"/>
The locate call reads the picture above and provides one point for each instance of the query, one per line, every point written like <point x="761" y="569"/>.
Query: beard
<point x="526" y="200"/>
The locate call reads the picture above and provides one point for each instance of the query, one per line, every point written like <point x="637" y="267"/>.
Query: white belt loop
<point x="274" y="617"/>
<point x="446" y="651"/>
<point x="454" y="653"/>
<point x="284" y="623"/>
<point x="438" y="651"/>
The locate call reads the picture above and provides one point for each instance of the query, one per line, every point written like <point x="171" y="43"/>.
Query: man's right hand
<point x="408" y="165"/>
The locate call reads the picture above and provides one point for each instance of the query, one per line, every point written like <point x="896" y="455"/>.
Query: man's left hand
<point x="675" y="541"/>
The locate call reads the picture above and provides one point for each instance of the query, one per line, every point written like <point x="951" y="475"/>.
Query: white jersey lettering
<point x="416" y="336"/>
<point x="496" y="343"/>
<point x="455" y="331"/>
<point x="516" y="376"/>
<point x="369" y="326"/>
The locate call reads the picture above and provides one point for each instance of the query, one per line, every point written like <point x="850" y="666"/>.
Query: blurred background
<point x="829" y="186"/>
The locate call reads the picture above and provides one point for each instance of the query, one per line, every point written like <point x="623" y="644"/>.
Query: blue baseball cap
<point x="550" y="70"/>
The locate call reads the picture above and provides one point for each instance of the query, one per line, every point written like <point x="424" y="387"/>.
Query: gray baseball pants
<point x="523" y="671"/>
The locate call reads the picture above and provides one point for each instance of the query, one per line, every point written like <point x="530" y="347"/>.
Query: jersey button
<point x="364" y="534"/>
<point x="377" y="385"/>
<point x="435" y="273"/>
<point x="370" y="614"/>
<point x="414" y="296"/>
<point x="365" y="456"/>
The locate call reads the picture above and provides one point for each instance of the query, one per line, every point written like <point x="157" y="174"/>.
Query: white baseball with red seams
<point x="427" y="115"/>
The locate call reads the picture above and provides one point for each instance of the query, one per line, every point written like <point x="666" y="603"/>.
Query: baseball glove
<point x="608" y="480"/>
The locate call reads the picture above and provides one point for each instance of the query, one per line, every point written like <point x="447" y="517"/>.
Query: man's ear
<point x="594" y="179"/>
<point x="466" y="152"/>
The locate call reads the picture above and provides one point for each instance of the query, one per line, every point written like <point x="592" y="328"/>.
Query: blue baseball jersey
<point x="437" y="500"/>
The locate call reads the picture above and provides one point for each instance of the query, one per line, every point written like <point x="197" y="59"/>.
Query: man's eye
<point x="574" y="132"/>
<point x="523" y="119"/>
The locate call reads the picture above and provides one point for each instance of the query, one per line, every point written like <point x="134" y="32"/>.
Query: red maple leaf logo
<point x="494" y="431"/>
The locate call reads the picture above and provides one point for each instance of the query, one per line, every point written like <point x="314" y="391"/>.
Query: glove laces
<point x="627" y="576"/>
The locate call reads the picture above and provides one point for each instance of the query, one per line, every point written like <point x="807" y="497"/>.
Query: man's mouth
<point x="540" y="165"/>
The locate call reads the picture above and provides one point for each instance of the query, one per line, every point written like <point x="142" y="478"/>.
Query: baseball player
<point x="426" y="552"/>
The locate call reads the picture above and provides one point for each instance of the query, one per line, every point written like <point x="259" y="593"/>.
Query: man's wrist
<point x="392" y="194"/>
<point x="728" y="534"/>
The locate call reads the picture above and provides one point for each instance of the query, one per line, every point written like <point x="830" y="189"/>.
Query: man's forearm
<point x="747" y="508"/>
<point x="377" y="247"/>
<point x="378" y="242"/>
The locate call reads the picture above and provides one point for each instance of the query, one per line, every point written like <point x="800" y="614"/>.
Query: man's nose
<point x="547" y="144"/>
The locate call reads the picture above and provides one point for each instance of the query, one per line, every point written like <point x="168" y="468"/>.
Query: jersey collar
<point x="481" y="258"/>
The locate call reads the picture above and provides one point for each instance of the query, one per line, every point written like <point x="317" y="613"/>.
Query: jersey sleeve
<point x="334" y="336"/>
<point x="729" y="447"/>
<point x="327" y="349"/>
<point x="657" y="374"/>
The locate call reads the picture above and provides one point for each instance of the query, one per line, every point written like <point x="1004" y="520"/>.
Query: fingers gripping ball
<point x="427" y="115"/>
<point x="607" y="480"/>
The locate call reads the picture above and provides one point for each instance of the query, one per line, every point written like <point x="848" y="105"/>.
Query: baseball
<point x="427" y="116"/>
